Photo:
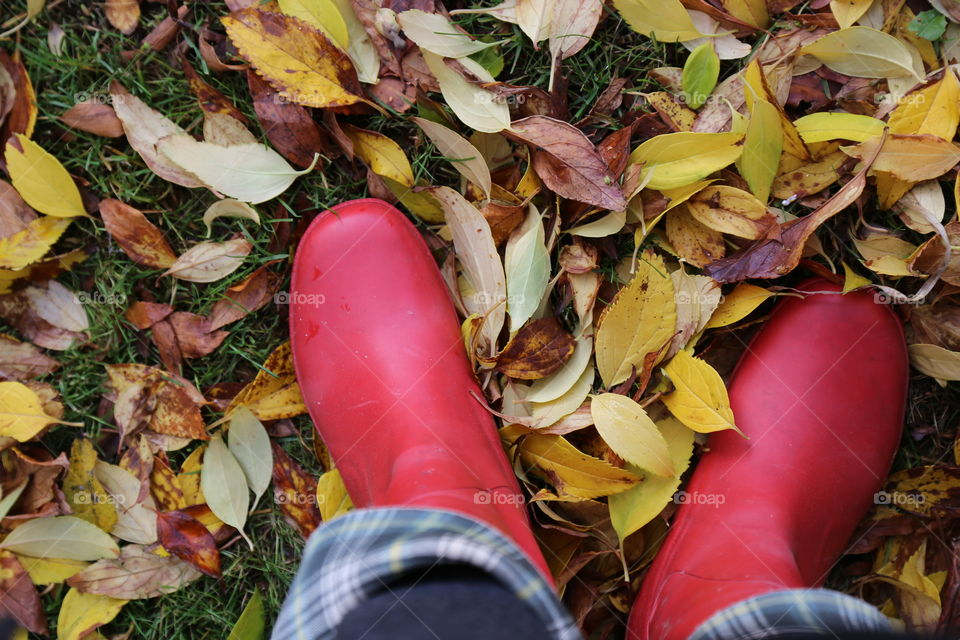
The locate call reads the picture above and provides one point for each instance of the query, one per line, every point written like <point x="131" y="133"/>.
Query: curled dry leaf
<point x="139" y="238"/>
<point x="93" y="117"/>
<point x="210" y="261"/>
<point x="538" y="349"/>
<point x="568" y="163"/>
<point x="228" y="208"/>
<point x="298" y="60"/>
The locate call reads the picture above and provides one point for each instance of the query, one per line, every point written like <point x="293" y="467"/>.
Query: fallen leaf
<point x="81" y="613"/>
<point x="249" y="172"/>
<point x="640" y="320"/>
<point x="762" y="146"/>
<point x="61" y="537"/>
<point x="45" y="571"/>
<point x="186" y="538"/>
<point x="41" y="180"/>
<point x="634" y="508"/>
<point x="537" y="350"/>
<point x="244" y="298"/>
<point x="934" y="361"/>
<point x="573" y="473"/>
<point x="439" y="35"/>
<point x="824" y="126"/>
<point x="22" y="415"/>
<point x="252" y="623"/>
<point x="59" y="306"/>
<point x="738" y="304"/>
<point x="274" y="393"/>
<point x="678" y="159"/>
<point x="18" y="597"/>
<point x="210" y="261"/>
<point x="862" y="52"/>
<point x="84" y="492"/>
<point x="139" y="238"/>
<point x="25" y="247"/>
<point x="137" y="574"/>
<point x="298" y="60"/>
<point x="631" y="434"/>
<point x="93" y="117"/>
<point x="568" y="163"/>
<point x="476" y="107"/>
<point x="700" y="398"/>
<point x="289" y="127"/>
<point x="663" y="20"/>
<point x="332" y="497"/>
<point x="22" y="360"/>
<point x="250" y="445"/>
<point x="295" y="492"/>
<point x="124" y="15"/>
<point x="136" y="515"/>
<point x="731" y="210"/>
<point x="224" y="485"/>
<point x="464" y="157"/>
<point x="322" y="14"/>
<point x="526" y="268"/>
<point x="908" y="157"/>
<point x="700" y="74"/>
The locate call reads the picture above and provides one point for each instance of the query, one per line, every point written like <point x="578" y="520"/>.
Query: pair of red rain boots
<point x="819" y="394"/>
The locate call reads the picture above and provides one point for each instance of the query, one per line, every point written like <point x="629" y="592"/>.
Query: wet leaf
<point x="625" y="427"/>
<point x="274" y="392"/>
<point x="640" y="320"/>
<point x="41" y="180"/>
<point x="295" y="58"/>
<point x="210" y="261"/>
<point x="700" y="398"/>
<point x="66" y="537"/>
<point x="137" y="574"/>
<point x="139" y="238"/>
<point x="536" y="351"/>
<point x="295" y="492"/>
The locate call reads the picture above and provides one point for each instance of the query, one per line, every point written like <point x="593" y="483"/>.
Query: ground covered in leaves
<point x="647" y="176"/>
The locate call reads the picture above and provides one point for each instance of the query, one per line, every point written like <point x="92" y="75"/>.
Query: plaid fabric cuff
<point x="359" y="554"/>
<point x="791" y="612"/>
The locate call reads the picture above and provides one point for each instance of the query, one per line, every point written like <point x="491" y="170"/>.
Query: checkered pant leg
<point x="792" y="611"/>
<point x="349" y="559"/>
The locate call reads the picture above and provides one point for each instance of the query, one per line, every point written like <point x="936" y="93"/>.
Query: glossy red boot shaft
<point x="383" y="370"/>
<point x="820" y="394"/>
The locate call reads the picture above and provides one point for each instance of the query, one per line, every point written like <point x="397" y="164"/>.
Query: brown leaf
<point x="244" y="298"/>
<point x="124" y="15"/>
<point x="163" y="335"/>
<point x="19" y="599"/>
<point x="19" y="312"/>
<point x="568" y="163"/>
<point x="193" y="335"/>
<point x="184" y="536"/>
<point x="289" y="127"/>
<point x="209" y="99"/>
<point x="695" y="242"/>
<point x="143" y="242"/>
<point x="174" y="401"/>
<point x="177" y="414"/>
<point x="503" y="218"/>
<point x="144" y="315"/>
<point x="136" y="574"/>
<point x="15" y="215"/>
<point x="93" y="117"/>
<point x="295" y="492"/>
<point x="41" y="469"/>
<point x="539" y="348"/>
<point x="165" y="485"/>
<point x="23" y="115"/>
<point x="165" y="31"/>
<point x="22" y="360"/>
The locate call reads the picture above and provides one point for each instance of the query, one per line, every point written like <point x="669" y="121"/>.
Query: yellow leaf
<point x="692" y="240"/>
<point x="634" y="508"/>
<point x="552" y="411"/>
<point x="678" y="159"/>
<point x="332" y="497"/>
<point x="274" y="393"/>
<point x="738" y="305"/>
<point x="21" y="413"/>
<point x="700" y="398"/>
<point x="85" y="493"/>
<point x="909" y="158"/>
<point x="628" y="430"/>
<point x="44" y="571"/>
<point x="820" y="127"/>
<point x="731" y="210"/>
<point x="864" y="53"/>
<point x="663" y="20"/>
<point x="322" y="14"/>
<point x="678" y="115"/>
<point x="753" y="12"/>
<point x="297" y="60"/>
<point x="189" y="477"/>
<point x="476" y="107"/>
<point x="848" y="12"/>
<point x="25" y="247"/>
<point x="853" y="280"/>
<point x="573" y="473"/>
<point x="41" y="180"/>
<point x="640" y="320"/>
<point x="81" y="613"/>
<point x="362" y="52"/>
<point x="762" y="147"/>
<point x="935" y="361"/>
<point x="934" y="109"/>
<point x="756" y="88"/>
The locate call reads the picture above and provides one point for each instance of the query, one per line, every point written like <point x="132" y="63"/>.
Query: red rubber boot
<point x="821" y="394"/>
<point x="382" y="368"/>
